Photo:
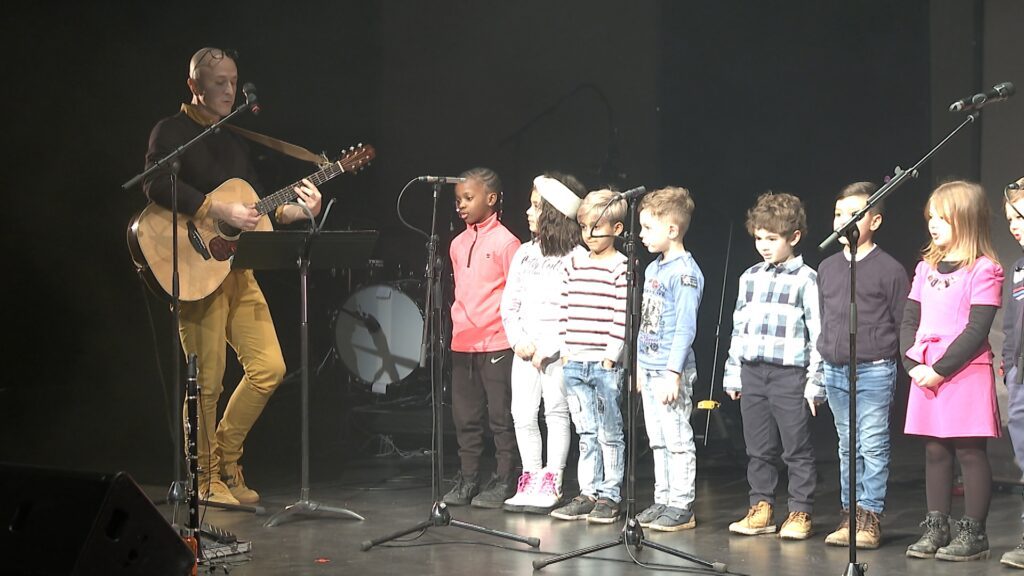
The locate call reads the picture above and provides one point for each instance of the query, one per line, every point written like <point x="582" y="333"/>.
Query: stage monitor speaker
<point x="57" y="522"/>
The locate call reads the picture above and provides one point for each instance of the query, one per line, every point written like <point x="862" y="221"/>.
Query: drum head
<point x="379" y="333"/>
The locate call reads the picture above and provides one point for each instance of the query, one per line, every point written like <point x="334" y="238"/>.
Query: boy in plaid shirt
<point x="774" y="365"/>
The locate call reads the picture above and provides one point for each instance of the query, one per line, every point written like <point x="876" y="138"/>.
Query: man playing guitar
<point x="236" y="313"/>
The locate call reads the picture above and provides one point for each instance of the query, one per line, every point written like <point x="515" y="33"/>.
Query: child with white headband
<point x="532" y="314"/>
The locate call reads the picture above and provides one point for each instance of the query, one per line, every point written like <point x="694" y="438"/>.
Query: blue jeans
<point x="671" y="438"/>
<point x="593" y="394"/>
<point x="875" y="383"/>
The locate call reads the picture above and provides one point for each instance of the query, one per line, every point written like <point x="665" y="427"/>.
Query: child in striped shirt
<point x="595" y="326"/>
<point x="774" y="365"/>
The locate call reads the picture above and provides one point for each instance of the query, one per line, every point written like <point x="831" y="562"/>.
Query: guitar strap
<point x="281" y="146"/>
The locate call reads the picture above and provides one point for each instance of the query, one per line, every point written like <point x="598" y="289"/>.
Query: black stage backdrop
<point x="727" y="98"/>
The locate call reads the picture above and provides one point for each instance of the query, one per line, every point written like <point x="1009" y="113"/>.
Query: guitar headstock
<point x="357" y="157"/>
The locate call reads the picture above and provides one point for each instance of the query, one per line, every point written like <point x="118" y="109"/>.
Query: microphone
<point x="633" y="193"/>
<point x="441" y="179"/>
<point x="998" y="93"/>
<point x="249" y="89"/>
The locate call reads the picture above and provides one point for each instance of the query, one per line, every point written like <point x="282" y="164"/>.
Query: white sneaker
<point x="529" y="483"/>
<point x="548" y="495"/>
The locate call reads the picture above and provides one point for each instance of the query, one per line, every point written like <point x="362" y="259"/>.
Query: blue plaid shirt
<point x="777" y="321"/>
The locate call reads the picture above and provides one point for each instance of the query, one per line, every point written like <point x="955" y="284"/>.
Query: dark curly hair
<point x="558" y="234"/>
<point x="778" y="213"/>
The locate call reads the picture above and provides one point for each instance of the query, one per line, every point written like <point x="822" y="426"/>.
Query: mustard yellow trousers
<point x="235" y="315"/>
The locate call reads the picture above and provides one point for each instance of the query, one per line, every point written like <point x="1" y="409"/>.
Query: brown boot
<point x="212" y="489"/>
<point x="841" y="535"/>
<point x="798" y="526"/>
<point x="235" y="482"/>
<point x="759" y="520"/>
<point x="869" y="529"/>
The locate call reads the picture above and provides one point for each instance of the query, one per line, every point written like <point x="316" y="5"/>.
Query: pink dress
<point x="964" y="405"/>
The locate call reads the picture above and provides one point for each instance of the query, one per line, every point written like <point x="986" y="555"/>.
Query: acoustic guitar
<point x="205" y="246"/>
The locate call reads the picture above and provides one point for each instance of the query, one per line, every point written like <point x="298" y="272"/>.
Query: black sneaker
<point x="462" y="493"/>
<point x="605" y="512"/>
<point x="580" y="507"/>
<point x="499" y="489"/>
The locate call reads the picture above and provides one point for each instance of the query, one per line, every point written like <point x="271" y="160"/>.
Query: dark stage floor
<point x="393" y="492"/>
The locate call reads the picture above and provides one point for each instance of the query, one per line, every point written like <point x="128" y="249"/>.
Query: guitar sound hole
<point x="227" y="230"/>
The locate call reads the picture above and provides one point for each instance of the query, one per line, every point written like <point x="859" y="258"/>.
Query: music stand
<point x="290" y="250"/>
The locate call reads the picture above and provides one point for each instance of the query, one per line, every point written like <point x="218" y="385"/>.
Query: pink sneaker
<point x="529" y="483"/>
<point x="548" y="495"/>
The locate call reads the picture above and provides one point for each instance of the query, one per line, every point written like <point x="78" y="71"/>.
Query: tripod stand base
<point x="440" y="516"/>
<point x="632" y="535"/>
<point x="309" y="508"/>
<point x="855" y="570"/>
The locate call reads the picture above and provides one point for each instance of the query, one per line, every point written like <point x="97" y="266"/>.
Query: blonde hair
<point x="595" y="202"/>
<point x="1018" y="194"/>
<point x="672" y="203"/>
<point x="964" y="206"/>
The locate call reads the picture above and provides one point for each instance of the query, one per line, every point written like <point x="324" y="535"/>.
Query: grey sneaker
<point x="580" y="507"/>
<point x="462" y="493"/>
<point x="1014" y="558"/>
<point x="970" y="543"/>
<point x="650" y="515"/>
<point x="936" y="535"/>
<point x="499" y="489"/>
<point x="605" y="512"/>
<point x="674" y="519"/>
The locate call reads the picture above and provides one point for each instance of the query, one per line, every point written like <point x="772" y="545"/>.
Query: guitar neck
<point x="287" y="194"/>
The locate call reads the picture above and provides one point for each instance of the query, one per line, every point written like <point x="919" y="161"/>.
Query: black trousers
<point x="776" y="423"/>
<point x="482" y="388"/>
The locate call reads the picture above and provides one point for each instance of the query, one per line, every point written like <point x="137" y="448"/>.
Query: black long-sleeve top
<point x="206" y="165"/>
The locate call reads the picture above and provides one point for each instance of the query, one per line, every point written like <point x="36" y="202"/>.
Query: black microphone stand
<point x="433" y="336"/>
<point x="852" y="234"/>
<point x="632" y="533"/>
<point x="177" y="491"/>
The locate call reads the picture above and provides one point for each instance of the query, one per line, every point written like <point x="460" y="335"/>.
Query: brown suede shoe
<point x="869" y="529"/>
<point x="841" y="535"/>
<point x="759" y="520"/>
<point x="214" y="490"/>
<point x="231" y="474"/>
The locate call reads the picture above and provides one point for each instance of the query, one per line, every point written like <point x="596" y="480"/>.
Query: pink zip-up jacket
<point x="481" y="257"/>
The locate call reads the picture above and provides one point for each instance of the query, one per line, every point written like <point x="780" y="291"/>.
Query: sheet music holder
<point x="301" y="250"/>
<point x="282" y="249"/>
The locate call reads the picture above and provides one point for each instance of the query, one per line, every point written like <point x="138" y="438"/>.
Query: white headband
<point x="558" y="195"/>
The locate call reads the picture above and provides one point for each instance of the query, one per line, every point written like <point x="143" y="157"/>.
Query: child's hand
<point x="734" y="394"/>
<point x="538" y="361"/>
<point x="925" y="376"/>
<point x="813" y="403"/>
<point x="667" y="389"/>
<point x="525" y="350"/>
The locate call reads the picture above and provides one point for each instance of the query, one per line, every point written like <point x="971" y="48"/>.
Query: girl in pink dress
<point x="956" y="291"/>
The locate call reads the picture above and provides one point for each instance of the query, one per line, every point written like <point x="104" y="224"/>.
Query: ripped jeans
<point x="593" y="394"/>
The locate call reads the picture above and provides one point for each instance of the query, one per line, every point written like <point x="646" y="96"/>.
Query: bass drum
<point x="379" y="333"/>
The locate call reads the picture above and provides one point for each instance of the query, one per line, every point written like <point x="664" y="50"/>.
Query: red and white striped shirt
<point x="594" y="299"/>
